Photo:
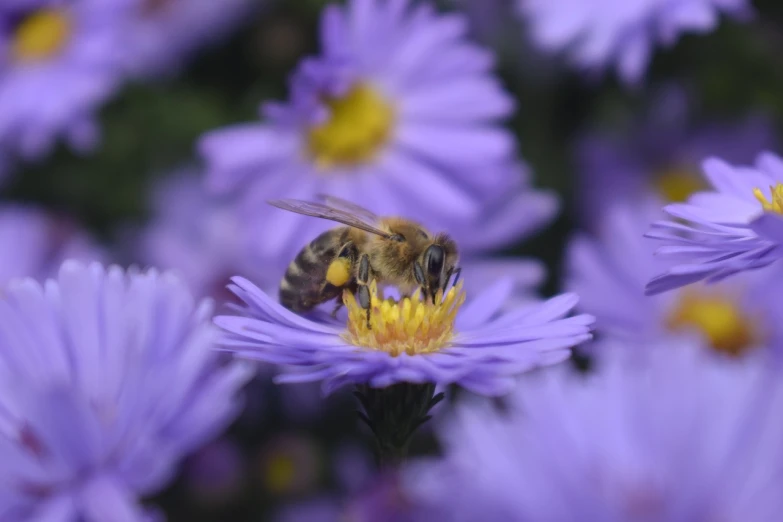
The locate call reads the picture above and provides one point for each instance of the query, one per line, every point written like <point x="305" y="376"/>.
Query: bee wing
<point x="357" y="210"/>
<point x="309" y="208"/>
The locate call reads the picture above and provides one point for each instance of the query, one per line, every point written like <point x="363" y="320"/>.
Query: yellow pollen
<point x="41" y="35"/>
<point x="359" y="125"/>
<point x="718" y="318"/>
<point x="412" y="325"/>
<point x="776" y="205"/>
<point x="677" y="184"/>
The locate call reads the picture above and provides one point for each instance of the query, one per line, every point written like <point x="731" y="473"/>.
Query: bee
<point x="393" y="251"/>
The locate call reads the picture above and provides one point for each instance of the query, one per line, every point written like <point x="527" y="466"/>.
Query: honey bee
<point x="393" y="251"/>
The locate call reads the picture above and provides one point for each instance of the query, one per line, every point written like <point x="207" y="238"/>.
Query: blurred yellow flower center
<point x="412" y="325"/>
<point x="280" y="473"/>
<point x="718" y="318"/>
<point x="359" y="125"/>
<point x="776" y="202"/>
<point x="677" y="184"/>
<point x="41" y="35"/>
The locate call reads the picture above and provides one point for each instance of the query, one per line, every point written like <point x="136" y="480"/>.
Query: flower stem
<point x="393" y="414"/>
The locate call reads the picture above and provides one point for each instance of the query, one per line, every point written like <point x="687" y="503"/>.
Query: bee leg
<point x="363" y="279"/>
<point x="418" y="274"/>
<point x="457" y="272"/>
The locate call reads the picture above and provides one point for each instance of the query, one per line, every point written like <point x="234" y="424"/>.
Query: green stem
<point x="393" y="414"/>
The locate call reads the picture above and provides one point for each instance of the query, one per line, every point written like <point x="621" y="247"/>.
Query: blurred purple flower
<point x="736" y="227"/>
<point x="58" y="63"/>
<point x="400" y="114"/>
<point x="479" y="346"/>
<point x="609" y="272"/>
<point x="622" y="34"/>
<point x="661" y="154"/>
<point x="214" y="475"/>
<point x="381" y="499"/>
<point x="320" y="509"/>
<point x="162" y="34"/>
<point x="672" y="434"/>
<point x="35" y="243"/>
<point x="196" y="235"/>
<point x="108" y="379"/>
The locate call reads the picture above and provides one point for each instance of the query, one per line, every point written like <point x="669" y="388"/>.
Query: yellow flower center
<point x="776" y="203"/>
<point x="280" y="473"/>
<point x="677" y="184"/>
<point x="41" y="35"/>
<point x="718" y="317"/>
<point x="359" y="125"/>
<point x="412" y="325"/>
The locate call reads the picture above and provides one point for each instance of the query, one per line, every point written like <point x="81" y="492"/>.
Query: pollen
<point x="719" y="318"/>
<point x="41" y="35"/>
<point x="359" y="125"/>
<point x="677" y="184"/>
<point x="775" y="203"/>
<point x="413" y="325"/>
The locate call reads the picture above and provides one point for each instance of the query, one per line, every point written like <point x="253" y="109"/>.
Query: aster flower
<point x="161" y="34"/>
<point x="661" y="154"/>
<point x="676" y="434"/>
<point x="603" y="34"/>
<point x="409" y="340"/>
<point x="108" y="378"/>
<point x="608" y="271"/>
<point x="58" y="64"/>
<point x="735" y="228"/>
<point x="398" y="113"/>
<point x="34" y="243"/>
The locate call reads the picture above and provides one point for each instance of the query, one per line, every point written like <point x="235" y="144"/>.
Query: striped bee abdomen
<point x="303" y="286"/>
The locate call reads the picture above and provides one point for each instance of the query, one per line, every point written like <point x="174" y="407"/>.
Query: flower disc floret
<point x="411" y="325"/>
<point x="41" y="35"/>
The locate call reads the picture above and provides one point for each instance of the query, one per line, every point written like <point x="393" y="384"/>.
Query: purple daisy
<point x="621" y="34"/>
<point x="609" y="270"/>
<point x="34" y="243"/>
<point x="478" y="346"/>
<point x="716" y="234"/>
<point x="108" y="379"/>
<point x="161" y="34"/>
<point x="661" y="153"/>
<point x="58" y="62"/>
<point x="399" y="113"/>
<point x="660" y="435"/>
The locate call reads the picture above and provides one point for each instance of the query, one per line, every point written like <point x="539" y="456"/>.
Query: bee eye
<point x="397" y="237"/>
<point x="434" y="258"/>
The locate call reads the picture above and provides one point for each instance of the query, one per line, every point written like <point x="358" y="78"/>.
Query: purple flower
<point x="609" y="271"/>
<point x="661" y="154"/>
<point x="399" y="113"/>
<point x="382" y="499"/>
<point x="622" y="34"/>
<point x="478" y="346"/>
<point x="58" y="64"/>
<point x="161" y="34"/>
<point x="35" y="243"/>
<point x="736" y="227"/>
<point x="108" y="379"/>
<point x="196" y="235"/>
<point x="672" y="434"/>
